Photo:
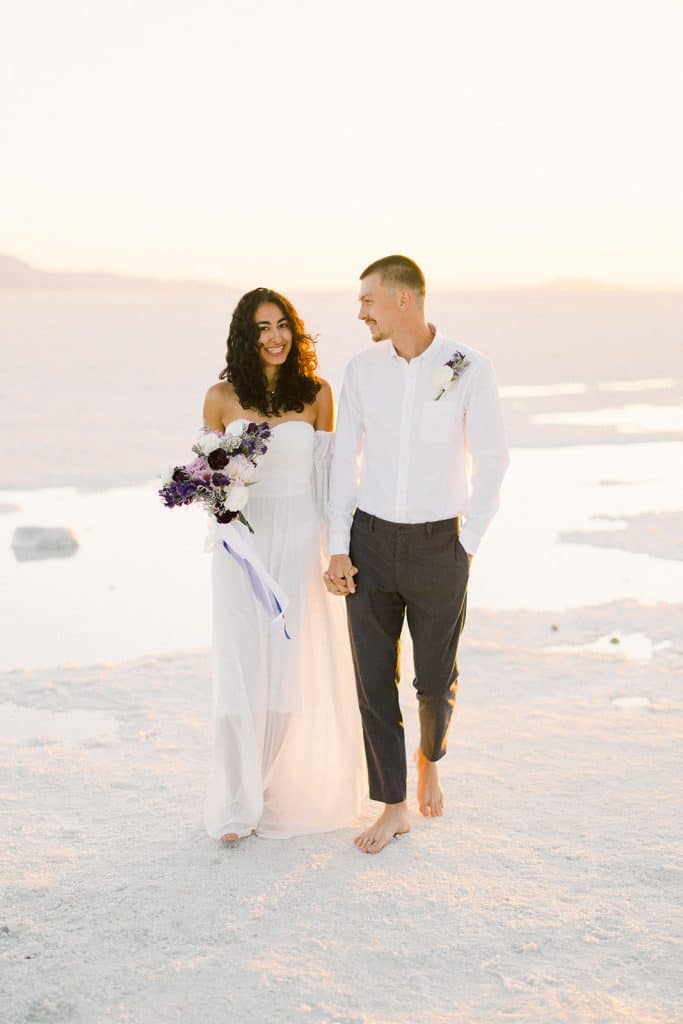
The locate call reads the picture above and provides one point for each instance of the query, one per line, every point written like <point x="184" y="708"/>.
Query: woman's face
<point x="274" y="334"/>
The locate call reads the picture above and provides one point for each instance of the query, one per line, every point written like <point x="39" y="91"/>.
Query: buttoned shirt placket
<point x="410" y="371"/>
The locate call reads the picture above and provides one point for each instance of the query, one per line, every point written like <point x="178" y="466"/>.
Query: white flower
<point x="241" y="470"/>
<point x="230" y="441"/>
<point x="208" y="442"/>
<point x="167" y="476"/>
<point x="236" y="497"/>
<point x="442" y="377"/>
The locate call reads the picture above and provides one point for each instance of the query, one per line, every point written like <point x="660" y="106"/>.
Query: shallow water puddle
<point x="631" y="646"/>
<point x="627" y="419"/>
<point x="139" y="583"/>
<point x="625" y="703"/>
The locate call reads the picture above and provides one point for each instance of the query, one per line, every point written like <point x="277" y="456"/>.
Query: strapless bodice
<point x="287" y="466"/>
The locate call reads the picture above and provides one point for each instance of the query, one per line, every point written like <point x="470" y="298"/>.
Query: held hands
<point x="339" y="576"/>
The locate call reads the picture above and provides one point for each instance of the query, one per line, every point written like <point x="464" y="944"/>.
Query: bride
<point x="287" y="749"/>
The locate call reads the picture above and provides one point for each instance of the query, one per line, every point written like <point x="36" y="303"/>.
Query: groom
<point x="420" y="443"/>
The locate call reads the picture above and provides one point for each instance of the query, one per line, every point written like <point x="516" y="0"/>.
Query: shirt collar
<point x="430" y="353"/>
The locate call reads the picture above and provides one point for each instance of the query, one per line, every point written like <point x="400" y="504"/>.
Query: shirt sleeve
<point x="345" y="470"/>
<point x="487" y="447"/>
<point x="323" y="447"/>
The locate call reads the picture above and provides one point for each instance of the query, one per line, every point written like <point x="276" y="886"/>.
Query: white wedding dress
<point x="287" y="750"/>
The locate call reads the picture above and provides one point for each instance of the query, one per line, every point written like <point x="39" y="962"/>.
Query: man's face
<point x="379" y="307"/>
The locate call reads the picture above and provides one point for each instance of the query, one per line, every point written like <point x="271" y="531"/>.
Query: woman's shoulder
<point x="325" y="395"/>
<point x="221" y="396"/>
<point x="219" y="404"/>
<point x="221" y="390"/>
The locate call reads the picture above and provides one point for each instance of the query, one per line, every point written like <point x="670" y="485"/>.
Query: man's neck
<point x="413" y="341"/>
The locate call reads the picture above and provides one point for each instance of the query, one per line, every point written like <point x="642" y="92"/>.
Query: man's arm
<point x="485" y="441"/>
<point x="344" y="478"/>
<point x="344" y="473"/>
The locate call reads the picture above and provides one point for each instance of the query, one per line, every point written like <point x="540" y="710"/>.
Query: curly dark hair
<point x="296" y="384"/>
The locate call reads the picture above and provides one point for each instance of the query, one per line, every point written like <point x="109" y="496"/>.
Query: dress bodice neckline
<point x="272" y="426"/>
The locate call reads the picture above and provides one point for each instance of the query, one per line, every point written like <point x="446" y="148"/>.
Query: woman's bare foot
<point x="429" y="792"/>
<point x="393" y="821"/>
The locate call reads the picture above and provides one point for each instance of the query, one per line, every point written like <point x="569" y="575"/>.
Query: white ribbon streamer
<point x="236" y="541"/>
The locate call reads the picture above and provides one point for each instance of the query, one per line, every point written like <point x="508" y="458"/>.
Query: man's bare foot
<point x="393" y="821"/>
<point x="429" y="792"/>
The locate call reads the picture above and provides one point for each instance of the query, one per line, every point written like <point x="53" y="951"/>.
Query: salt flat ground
<point x="547" y="893"/>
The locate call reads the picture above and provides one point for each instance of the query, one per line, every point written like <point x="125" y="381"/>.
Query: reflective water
<point x="629" y="646"/>
<point x="628" y="703"/>
<point x="627" y="419"/>
<point x="649" y="384"/>
<point x="139" y="582"/>
<point x="580" y="388"/>
<point x="542" y="390"/>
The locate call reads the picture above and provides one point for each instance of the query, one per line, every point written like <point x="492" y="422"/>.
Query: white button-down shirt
<point x="402" y="456"/>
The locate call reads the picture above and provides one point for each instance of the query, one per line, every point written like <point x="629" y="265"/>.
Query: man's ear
<point x="405" y="299"/>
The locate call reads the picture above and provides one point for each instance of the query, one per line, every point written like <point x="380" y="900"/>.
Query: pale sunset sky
<point x="496" y="142"/>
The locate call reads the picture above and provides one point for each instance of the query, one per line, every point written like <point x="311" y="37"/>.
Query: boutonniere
<point x="449" y="372"/>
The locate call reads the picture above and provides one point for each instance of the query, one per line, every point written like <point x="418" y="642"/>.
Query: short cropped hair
<point x="398" y="271"/>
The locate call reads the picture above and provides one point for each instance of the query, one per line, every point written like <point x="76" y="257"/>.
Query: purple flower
<point x="178" y="492"/>
<point x="458" y="361"/>
<point x="220" y="480"/>
<point x="196" y="467"/>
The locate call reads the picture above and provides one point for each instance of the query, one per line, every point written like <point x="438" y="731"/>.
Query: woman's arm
<point x="214" y="405"/>
<point x="324" y="407"/>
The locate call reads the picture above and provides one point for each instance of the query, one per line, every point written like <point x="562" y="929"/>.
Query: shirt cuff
<point x="469" y="540"/>
<point x="339" y="543"/>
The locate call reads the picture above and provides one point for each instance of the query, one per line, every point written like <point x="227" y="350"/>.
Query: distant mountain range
<point x="18" y="275"/>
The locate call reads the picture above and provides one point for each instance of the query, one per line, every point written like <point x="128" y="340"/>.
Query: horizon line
<point x="559" y="282"/>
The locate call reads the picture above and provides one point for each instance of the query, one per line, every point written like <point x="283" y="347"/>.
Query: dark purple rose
<point x="220" y="480"/>
<point x="225" y="517"/>
<point x="180" y="474"/>
<point x="217" y="459"/>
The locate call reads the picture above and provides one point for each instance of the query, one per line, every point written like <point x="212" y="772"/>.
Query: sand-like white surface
<point x="547" y="894"/>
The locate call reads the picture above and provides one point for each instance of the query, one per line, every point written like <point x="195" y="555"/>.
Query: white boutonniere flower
<point x="449" y="372"/>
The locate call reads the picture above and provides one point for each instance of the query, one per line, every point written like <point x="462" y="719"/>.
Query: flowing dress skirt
<point x="287" y="750"/>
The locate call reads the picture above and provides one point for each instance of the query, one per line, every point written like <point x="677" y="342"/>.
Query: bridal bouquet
<point x="218" y="478"/>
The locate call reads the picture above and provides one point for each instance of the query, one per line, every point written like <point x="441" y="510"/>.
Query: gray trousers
<point x="419" y="571"/>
